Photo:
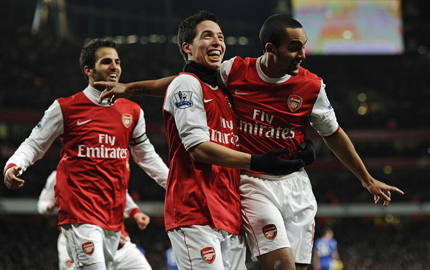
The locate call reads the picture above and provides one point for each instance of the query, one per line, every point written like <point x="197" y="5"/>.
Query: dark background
<point x="392" y="137"/>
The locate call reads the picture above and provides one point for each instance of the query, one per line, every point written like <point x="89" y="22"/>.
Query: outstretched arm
<point x="156" y="88"/>
<point x="342" y="147"/>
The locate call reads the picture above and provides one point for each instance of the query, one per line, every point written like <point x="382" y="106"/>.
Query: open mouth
<point x="214" y="55"/>
<point x="113" y="76"/>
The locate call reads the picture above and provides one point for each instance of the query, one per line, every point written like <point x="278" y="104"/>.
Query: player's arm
<point x="155" y="88"/>
<point x="46" y="203"/>
<point x="144" y="154"/>
<point x="34" y="147"/>
<point x="342" y="147"/>
<point x="192" y="127"/>
<point x="132" y="210"/>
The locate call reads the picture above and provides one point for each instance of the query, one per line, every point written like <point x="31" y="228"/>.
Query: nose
<point x="113" y="65"/>
<point x="302" y="54"/>
<point x="217" y="42"/>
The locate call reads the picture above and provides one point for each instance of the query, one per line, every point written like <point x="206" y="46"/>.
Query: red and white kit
<point x="198" y="193"/>
<point x="93" y="173"/>
<point x="273" y="114"/>
<point x="128" y="257"/>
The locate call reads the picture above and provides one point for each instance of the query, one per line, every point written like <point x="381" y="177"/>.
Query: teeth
<point x="112" y="75"/>
<point x="214" y="53"/>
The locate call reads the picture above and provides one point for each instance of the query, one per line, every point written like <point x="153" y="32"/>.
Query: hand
<point x="11" y="180"/>
<point x="306" y="152"/>
<point x="51" y="206"/>
<point x="142" y="220"/>
<point x="122" y="241"/>
<point x="381" y="191"/>
<point x="113" y="91"/>
<point x="271" y="163"/>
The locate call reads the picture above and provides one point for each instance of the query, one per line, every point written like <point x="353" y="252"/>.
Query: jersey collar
<point x="266" y="78"/>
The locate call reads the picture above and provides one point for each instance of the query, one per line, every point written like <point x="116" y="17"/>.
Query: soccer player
<point x="325" y="254"/>
<point x="93" y="173"/>
<point x="202" y="206"/>
<point x="128" y="255"/>
<point x="275" y="100"/>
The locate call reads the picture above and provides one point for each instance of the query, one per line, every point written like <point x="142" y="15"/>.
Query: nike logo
<point x="240" y="93"/>
<point x="84" y="122"/>
<point x="207" y="100"/>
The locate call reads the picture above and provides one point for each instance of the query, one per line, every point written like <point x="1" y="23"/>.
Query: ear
<point x="270" y="48"/>
<point x="187" y="48"/>
<point x="88" y="71"/>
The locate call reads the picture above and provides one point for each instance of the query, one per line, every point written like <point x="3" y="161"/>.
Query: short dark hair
<point x="273" y="29"/>
<point x="188" y="28"/>
<point x="88" y="53"/>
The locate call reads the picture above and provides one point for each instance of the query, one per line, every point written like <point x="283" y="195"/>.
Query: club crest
<point x="127" y="119"/>
<point x="183" y="99"/>
<point x="270" y="231"/>
<point x="208" y="254"/>
<point x="294" y="103"/>
<point x="88" y="247"/>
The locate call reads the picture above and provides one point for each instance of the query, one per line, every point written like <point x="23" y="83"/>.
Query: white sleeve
<point x="322" y="118"/>
<point x="144" y="154"/>
<point x="47" y="196"/>
<point x="40" y="139"/>
<point x="129" y="204"/>
<point x="224" y="71"/>
<point x="184" y="101"/>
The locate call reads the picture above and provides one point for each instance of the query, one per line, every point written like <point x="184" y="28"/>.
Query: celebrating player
<point x="128" y="255"/>
<point x="275" y="99"/>
<point x="93" y="173"/>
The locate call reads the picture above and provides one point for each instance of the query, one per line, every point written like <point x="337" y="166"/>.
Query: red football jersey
<point x="274" y="113"/>
<point x="93" y="173"/>
<point x="199" y="193"/>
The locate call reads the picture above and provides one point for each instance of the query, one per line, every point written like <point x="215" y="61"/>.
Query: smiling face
<point x="290" y="53"/>
<point x="107" y="66"/>
<point x="208" y="45"/>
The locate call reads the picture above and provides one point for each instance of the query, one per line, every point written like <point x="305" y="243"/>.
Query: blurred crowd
<point x="363" y="244"/>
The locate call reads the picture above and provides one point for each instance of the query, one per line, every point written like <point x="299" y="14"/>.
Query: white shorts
<point x="205" y="248"/>
<point x="129" y="257"/>
<point x="90" y="244"/>
<point x="64" y="261"/>
<point x="279" y="212"/>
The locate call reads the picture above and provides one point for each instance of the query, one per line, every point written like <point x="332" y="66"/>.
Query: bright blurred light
<point x="347" y="34"/>
<point x="153" y="38"/>
<point x="387" y="169"/>
<point x="230" y="41"/>
<point x="362" y="97"/>
<point x="120" y="39"/>
<point x="132" y="39"/>
<point x="161" y="38"/>
<point x="173" y="39"/>
<point x="362" y="110"/>
<point x="389" y="218"/>
<point x="243" y="40"/>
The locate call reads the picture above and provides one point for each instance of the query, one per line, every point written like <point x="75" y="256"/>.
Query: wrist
<point x="134" y="212"/>
<point x="8" y="166"/>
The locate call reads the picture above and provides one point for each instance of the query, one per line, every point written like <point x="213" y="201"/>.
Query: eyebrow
<point x="208" y="31"/>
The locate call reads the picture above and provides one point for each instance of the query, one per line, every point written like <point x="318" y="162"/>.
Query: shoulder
<point x="184" y="82"/>
<point x="308" y="77"/>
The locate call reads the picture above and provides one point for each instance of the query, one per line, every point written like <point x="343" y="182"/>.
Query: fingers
<point x="280" y="152"/>
<point x="395" y="189"/>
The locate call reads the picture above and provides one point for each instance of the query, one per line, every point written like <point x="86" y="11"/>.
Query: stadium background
<point x="380" y="100"/>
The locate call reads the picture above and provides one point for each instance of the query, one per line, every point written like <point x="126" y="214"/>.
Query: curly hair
<point x="88" y="53"/>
